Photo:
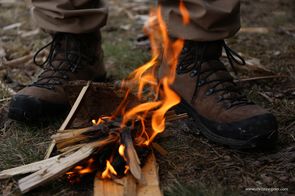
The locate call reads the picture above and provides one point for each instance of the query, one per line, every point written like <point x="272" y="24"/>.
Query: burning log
<point x="54" y="170"/>
<point x="78" y="145"/>
<point x="131" y="154"/>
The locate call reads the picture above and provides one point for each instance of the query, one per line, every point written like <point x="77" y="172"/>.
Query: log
<point x="24" y="169"/>
<point x="107" y="188"/>
<point x="122" y="187"/>
<point x="55" y="170"/>
<point x="131" y="154"/>
<point x="150" y="187"/>
<point x="151" y="177"/>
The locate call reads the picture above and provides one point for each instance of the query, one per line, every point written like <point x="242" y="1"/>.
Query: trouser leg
<point x="210" y="20"/>
<point x="69" y="16"/>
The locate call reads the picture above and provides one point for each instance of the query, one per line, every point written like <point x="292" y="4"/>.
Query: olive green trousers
<point x="209" y="19"/>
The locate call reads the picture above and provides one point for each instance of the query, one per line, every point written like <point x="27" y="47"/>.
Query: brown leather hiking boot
<point x="71" y="57"/>
<point x="215" y="102"/>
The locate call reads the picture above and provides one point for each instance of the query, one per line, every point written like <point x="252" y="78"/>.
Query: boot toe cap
<point x="27" y="108"/>
<point x="256" y="131"/>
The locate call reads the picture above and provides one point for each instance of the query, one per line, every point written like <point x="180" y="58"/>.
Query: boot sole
<point x="30" y="109"/>
<point x="264" y="141"/>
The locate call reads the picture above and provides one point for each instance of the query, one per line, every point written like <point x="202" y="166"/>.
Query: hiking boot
<point x="210" y="96"/>
<point x="71" y="57"/>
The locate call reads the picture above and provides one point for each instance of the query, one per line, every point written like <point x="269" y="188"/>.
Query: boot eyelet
<point x="201" y="82"/>
<point x="219" y="99"/>
<point x="193" y="73"/>
<point x="210" y="91"/>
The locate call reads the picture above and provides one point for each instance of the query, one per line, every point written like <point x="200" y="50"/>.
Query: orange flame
<point x="109" y="170"/>
<point x="146" y="77"/>
<point x="184" y="13"/>
<point x="122" y="150"/>
<point x="126" y="169"/>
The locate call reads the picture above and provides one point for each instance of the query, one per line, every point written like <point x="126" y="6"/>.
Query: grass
<point x="23" y="144"/>
<point x="121" y="57"/>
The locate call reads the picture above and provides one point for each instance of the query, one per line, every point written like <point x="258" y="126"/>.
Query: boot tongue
<point x="64" y="57"/>
<point x="208" y="50"/>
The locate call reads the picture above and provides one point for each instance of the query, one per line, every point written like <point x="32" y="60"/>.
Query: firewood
<point x="24" y="169"/>
<point x="97" y="144"/>
<point x="151" y="186"/>
<point x="82" y="140"/>
<point x="69" y="117"/>
<point x="107" y="188"/>
<point x="131" y="154"/>
<point x="55" y="170"/>
<point x="130" y="186"/>
<point x="151" y="177"/>
<point x="59" y="166"/>
<point x="102" y="140"/>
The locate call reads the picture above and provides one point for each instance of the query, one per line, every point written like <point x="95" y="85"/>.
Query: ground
<point x="194" y="165"/>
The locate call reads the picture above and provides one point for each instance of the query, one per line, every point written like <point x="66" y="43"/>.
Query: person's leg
<point x="210" y="20"/>
<point x="208" y="91"/>
<point x="69" y="16"/>
<point x="74" y="54"/>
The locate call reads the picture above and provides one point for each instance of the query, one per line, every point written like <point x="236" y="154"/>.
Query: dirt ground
<point x="194" y="166"/>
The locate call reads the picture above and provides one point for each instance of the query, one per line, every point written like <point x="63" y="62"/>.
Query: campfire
<point x="118" y="144"/>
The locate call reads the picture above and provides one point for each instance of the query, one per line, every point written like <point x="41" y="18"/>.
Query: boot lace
<point x="192" y="59"/>
<point x="64" y="57"/>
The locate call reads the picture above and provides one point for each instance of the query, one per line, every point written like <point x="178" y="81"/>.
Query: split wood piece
<point x="64" y="138"/>
<point x="69" y="117"/>
<point x="43" y="164"/>
<point x="68" y="138"/>
<point x="131" y="154"/>
<point x="112" y="138"/>
<point x="69" y="133"/>
<point x="55" y="170"/>
<point x="125" y="187"/>
<point x="151" y="176"/>
<point x="24" y="169"/>
<point x="150" y="187"/>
